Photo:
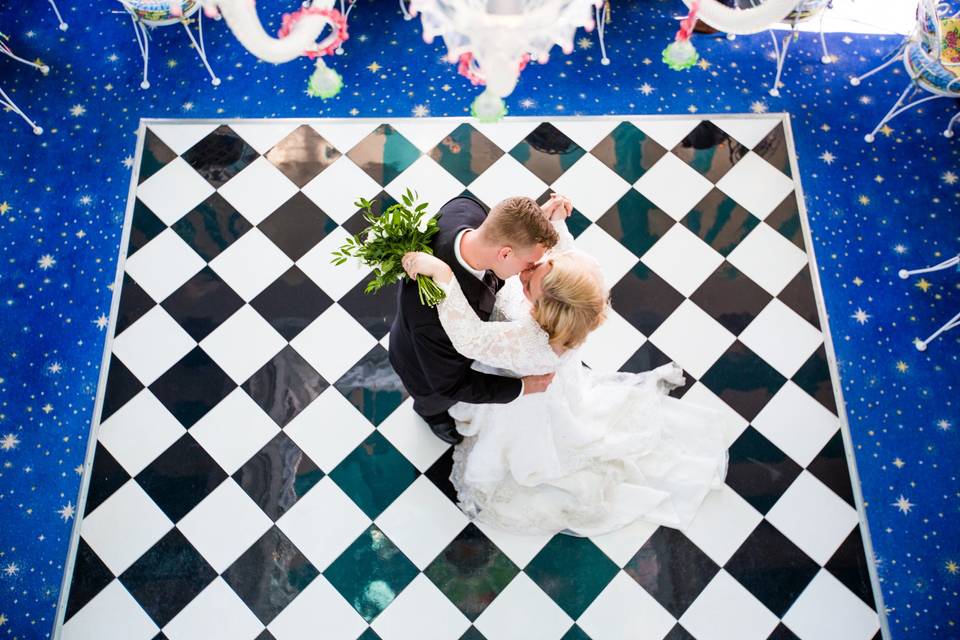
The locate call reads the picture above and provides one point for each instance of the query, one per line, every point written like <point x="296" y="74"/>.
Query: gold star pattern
<point x="704" y="64"/>
<point x="374" y="67"/>
<point x="903" y="504"/>
<point x="898" y="463"/>
<point x="952" y="567"/>
<point x="886" y="130"/>
<point x="902" y="366"/>
<point x="857" y="281"/>
<point x="864" y="200"/>
<point x="4" y="207"/>
<point x="922" y="284"/>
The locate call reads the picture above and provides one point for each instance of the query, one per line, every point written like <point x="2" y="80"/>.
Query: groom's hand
<point x="537" y="384"/>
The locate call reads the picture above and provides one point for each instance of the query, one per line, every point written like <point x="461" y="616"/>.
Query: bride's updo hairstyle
<point x="574" y="301"/>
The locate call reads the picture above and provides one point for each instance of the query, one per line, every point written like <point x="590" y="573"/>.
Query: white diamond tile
<point x="523" y="600"/>
<point x="124" y="527"/>
<point x="505" y="178"/>
<point x="411" y="436"/>
<point x="592" y="186"/>
<point x="112" y="614"/>
<point x="251" y="264"/>
<point x="262" y="136"/>
<point x="339" y="186"/>
<point x="586" y="133"/>
<point x="614" y="258"/>
<point x="139" y="431"/>
<point x="756" y="185"/>
<point x="722" y="524"/>
<point x="625" y="611"/>
<point x="433" y="184"/>
<point x="611" y="344"/>
<point x="682" y="259"/>
<point x="422" y="522"/>
<point x="827" y="610"/>
<point x="224" y="525"/>
<point x="329" y="429"/>
<point x="163" y="265"/>
<point x="692" y="338"/>
<point x="242" y="344"/>
<point x="152" y="344"/>
<point x="335" y="280"/>
<point x="323" y="523"/>
<point x="318" y="607"/>
<point x="521" y="548"/>
<point x="768" y="258"/>
<point x="425" y="133"/>
<point x="344" y="134"/>
<point x="181" y="136"/>
<point x="725" y="610"/>
<point x="217" y="613"/>
<point x="748" y="131"/>
<point x="732" y="423"/>
<point x="814" y="517"/>
<point x="258" y="190"/>
<point x="782" y="338"/>
<point x="668" y="131"/>
<point x="333" y="358"/>
<point x="421" y="612"/>
<point x="173" y="191"/>
<point x="234" y="430"/>
<point x="798" y="424"/>
<point x="621" y="545"/>
<point x="673" y="185"/>
<point x="506" y="134"/>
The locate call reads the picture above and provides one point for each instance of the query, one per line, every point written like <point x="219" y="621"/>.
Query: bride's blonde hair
<point x="574" y="301"/>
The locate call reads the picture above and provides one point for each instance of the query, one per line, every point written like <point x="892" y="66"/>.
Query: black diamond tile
<point x="786" y="219"/>
<point x="302" y="155"/>
<point x="814" y="378"/>
<point x="648" y="357"/>
<point x="628" y="151"/>
<point x="575" y="633"/>
<point x="156" y="155"/>
<point x="471" y="571"/>
<point x="720" y="222"/>
<point x="782" y="633"/>
<point x="369" y="634"/>
<point x="144" y="227"/>
<point x="466" y="153"/>
<point x="134" y="302"/>
<point x="572" y="571"/>
<point x="372" y="559"/>
<point x="106" y="476"/>
<point x="798" y="295"/>
<point x="270" y="574"/>
<point x="577" y="223"/>
<point x="636" y="222"/>
<point x="278" y="475"/>
<point x="265" y="635"/>
<point x="90" y="577"/>
<point x="374" y="312"/>
<point x="297" y="226"/>
<point x="759" y="471"/>
<point x="202" y="303"/>
<point x="378" y="204"/>
<point x="743" y="380"/>
<point x="830" y="467"/>
<point x="212" y="226"/>
<point x="439" y="474"/>
<point x="384" y="154"/>
<point x="122" y="386"/>
<point x="710" y="150"/>
<point x="849" y="565"/>
<point x="672" y="569"/>
<point x="731" y="298"/>
<point x="372" y="386"/>
<point x="547" y="152"/>
<point x="167" y="577"/>
<point x="374" y="474"/>
<point x="644" y="299"/>
<point x="291" y="303"/>
<point x="773" y="148"/>
<point x="772" y="568"/>
<point x="285" y="386"/>
<point x="193" y="386"/>
<point x="181" y="477"/>
<point x="221" y="155"/>
<point x="678" y="633"/>
<point x="472" y="634"/>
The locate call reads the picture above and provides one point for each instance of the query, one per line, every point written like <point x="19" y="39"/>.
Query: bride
<point x="596" y="451"/>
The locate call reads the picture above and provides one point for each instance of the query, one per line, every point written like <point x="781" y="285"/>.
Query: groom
<point x="482" y="249"/>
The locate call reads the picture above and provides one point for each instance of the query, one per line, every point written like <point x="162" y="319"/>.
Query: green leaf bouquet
<point x="402" y="228"/>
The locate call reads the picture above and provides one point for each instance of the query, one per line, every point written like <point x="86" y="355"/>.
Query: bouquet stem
<point x="430" y="293"/>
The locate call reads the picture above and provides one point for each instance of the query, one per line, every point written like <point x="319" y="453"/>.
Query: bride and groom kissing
<point x="543" y="443"/>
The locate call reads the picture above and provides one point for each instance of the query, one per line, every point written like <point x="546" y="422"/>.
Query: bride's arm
<point x="557" y="210"/>
<point x="518" y="346"/>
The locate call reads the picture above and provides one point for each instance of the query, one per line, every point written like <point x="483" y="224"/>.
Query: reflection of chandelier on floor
<point x="492" y="40"/>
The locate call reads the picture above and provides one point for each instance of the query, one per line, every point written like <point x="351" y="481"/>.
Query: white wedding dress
<point x="592" y="454"/>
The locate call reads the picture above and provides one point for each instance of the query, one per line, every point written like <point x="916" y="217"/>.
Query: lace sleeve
<point x="565" y="240"/>
<point x="519" y="346"/>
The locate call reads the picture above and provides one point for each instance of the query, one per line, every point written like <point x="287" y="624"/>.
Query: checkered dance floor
<point x="259" y="472"/>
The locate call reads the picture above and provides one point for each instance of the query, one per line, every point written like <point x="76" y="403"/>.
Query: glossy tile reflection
<point x="628" y="151"/>
<point x="374" y="474"/>
<point x="291" y="303"/>
<point x="278" y="475"/>
<point x="181" y="477"/>
<point x="710" y="150"/>
<point x="285" y="386"/>
<point x="720" y="222"/>
<point x="466" y="153"/>
<point x="372" y="386"/>
<point x="635" y="222"/>
<point x="220" y="155"/>
<point x="547" y="152"/>
<point x="384" y="154"/>
<point x="211" y="227"/>
<point x="573" y="571"/>
<point x="302" y="155"/>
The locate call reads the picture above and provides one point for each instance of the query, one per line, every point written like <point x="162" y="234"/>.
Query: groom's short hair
<point x="520" y="223"/>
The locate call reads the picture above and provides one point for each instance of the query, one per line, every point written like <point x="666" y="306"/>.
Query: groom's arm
<point x="450" y="375"/>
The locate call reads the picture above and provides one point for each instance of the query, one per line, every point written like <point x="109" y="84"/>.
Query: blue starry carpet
<point x="874" y="209"/>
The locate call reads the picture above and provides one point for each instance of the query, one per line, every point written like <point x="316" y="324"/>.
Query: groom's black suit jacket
<point x="421" y="352"/>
